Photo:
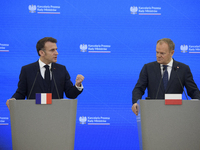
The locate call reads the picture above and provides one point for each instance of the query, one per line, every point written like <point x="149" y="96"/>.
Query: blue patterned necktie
<point x="165" y="76"/>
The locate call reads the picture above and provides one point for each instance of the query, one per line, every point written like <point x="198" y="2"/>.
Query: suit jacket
<point x="31" y="72"/>
<point x="150" y="77"/>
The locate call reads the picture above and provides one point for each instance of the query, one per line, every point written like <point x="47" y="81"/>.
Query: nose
<point x="158" y="55"/>
<point x="56" y="52"/>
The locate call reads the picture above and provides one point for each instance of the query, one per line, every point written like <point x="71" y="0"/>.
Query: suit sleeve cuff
<point x="80" y="88"/>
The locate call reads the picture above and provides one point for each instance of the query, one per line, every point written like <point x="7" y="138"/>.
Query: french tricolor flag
<point x="43" y="98"/>
<point x="173" y="99"/>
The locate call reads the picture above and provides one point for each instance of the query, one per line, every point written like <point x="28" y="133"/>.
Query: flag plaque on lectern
<point x="43" y="98"/>
<point x="173" y="99"/>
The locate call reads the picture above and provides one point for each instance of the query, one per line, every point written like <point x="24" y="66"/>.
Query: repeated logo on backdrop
<point x="4" y="47"/>
<point x="4" y="120"/>
<point x="44" y="9"/>
<point x="192" y="49"/>
<point x="95" y="48"/>
<point x="145" y="10"/>
<point x="94" y="120"/>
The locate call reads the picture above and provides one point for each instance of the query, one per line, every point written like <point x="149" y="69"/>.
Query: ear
<point x="41" y="52"/>
<point x="172" y="52"/>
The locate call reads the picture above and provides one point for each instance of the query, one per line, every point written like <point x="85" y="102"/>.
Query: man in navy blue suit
<point x="152" y="74"/>
<point x="32" y="78"/>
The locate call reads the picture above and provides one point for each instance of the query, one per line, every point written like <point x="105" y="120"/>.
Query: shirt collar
<point x="42" y="64"/>
<point x="169" y="64"/>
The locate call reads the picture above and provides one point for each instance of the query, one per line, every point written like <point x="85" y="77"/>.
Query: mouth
<point x="159" y="59"/>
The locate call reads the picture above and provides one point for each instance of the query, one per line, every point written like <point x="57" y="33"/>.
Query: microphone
<point x="159" y="84"/>
<point x="33" y="83"/>
<point x="55" y="83"/>
<point x="175" y="69"/>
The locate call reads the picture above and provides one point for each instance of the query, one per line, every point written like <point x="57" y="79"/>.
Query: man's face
<point x="163" y="54"/>
<point x="50" y="53"/>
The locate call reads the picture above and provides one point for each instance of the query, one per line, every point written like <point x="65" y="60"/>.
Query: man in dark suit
<point x="152" y="76"/>
<point x="46" y="76"/>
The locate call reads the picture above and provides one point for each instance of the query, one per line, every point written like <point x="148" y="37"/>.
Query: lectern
<point x="169" y="127"/>
<point x="43" y="127"/>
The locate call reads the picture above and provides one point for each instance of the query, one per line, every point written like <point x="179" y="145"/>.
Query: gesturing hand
<point x="79" y="80"/>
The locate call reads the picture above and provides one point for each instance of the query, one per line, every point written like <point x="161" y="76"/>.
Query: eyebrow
<point x="53" y="49"/>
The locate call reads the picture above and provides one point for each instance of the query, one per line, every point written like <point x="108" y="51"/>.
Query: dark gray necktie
<point x="165" y="76"/>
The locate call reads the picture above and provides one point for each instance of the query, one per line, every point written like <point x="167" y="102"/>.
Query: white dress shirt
<point x="169" y="68"/>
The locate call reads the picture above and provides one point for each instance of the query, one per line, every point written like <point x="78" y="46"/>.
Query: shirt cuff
<point x="80" y="88"/>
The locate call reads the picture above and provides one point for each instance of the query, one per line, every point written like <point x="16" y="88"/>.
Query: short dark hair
<point x="40" y="44"/>
<point x="169" y="42"/>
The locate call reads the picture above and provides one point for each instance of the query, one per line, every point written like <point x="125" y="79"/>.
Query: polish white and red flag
<point x="43" y="98"/>
<point x="173" y="99"/>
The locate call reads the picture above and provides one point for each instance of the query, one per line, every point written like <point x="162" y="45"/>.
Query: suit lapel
<point x="53" y="69"/>
<point x="159" y="76"/>
<point x="172" y="75"/>
<point x="39" y="78"/>
<point x="157" y="70"/>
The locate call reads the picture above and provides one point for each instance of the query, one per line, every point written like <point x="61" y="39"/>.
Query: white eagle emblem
<point x="133" y="9"/>
<point x="83" y="47"/>
<point x="32" y="8"/>
<point x="82" y="120"/>
<point x="184" y="48"/>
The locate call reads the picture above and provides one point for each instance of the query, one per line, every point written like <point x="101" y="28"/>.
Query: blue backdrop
<point x="106" y="41"/>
